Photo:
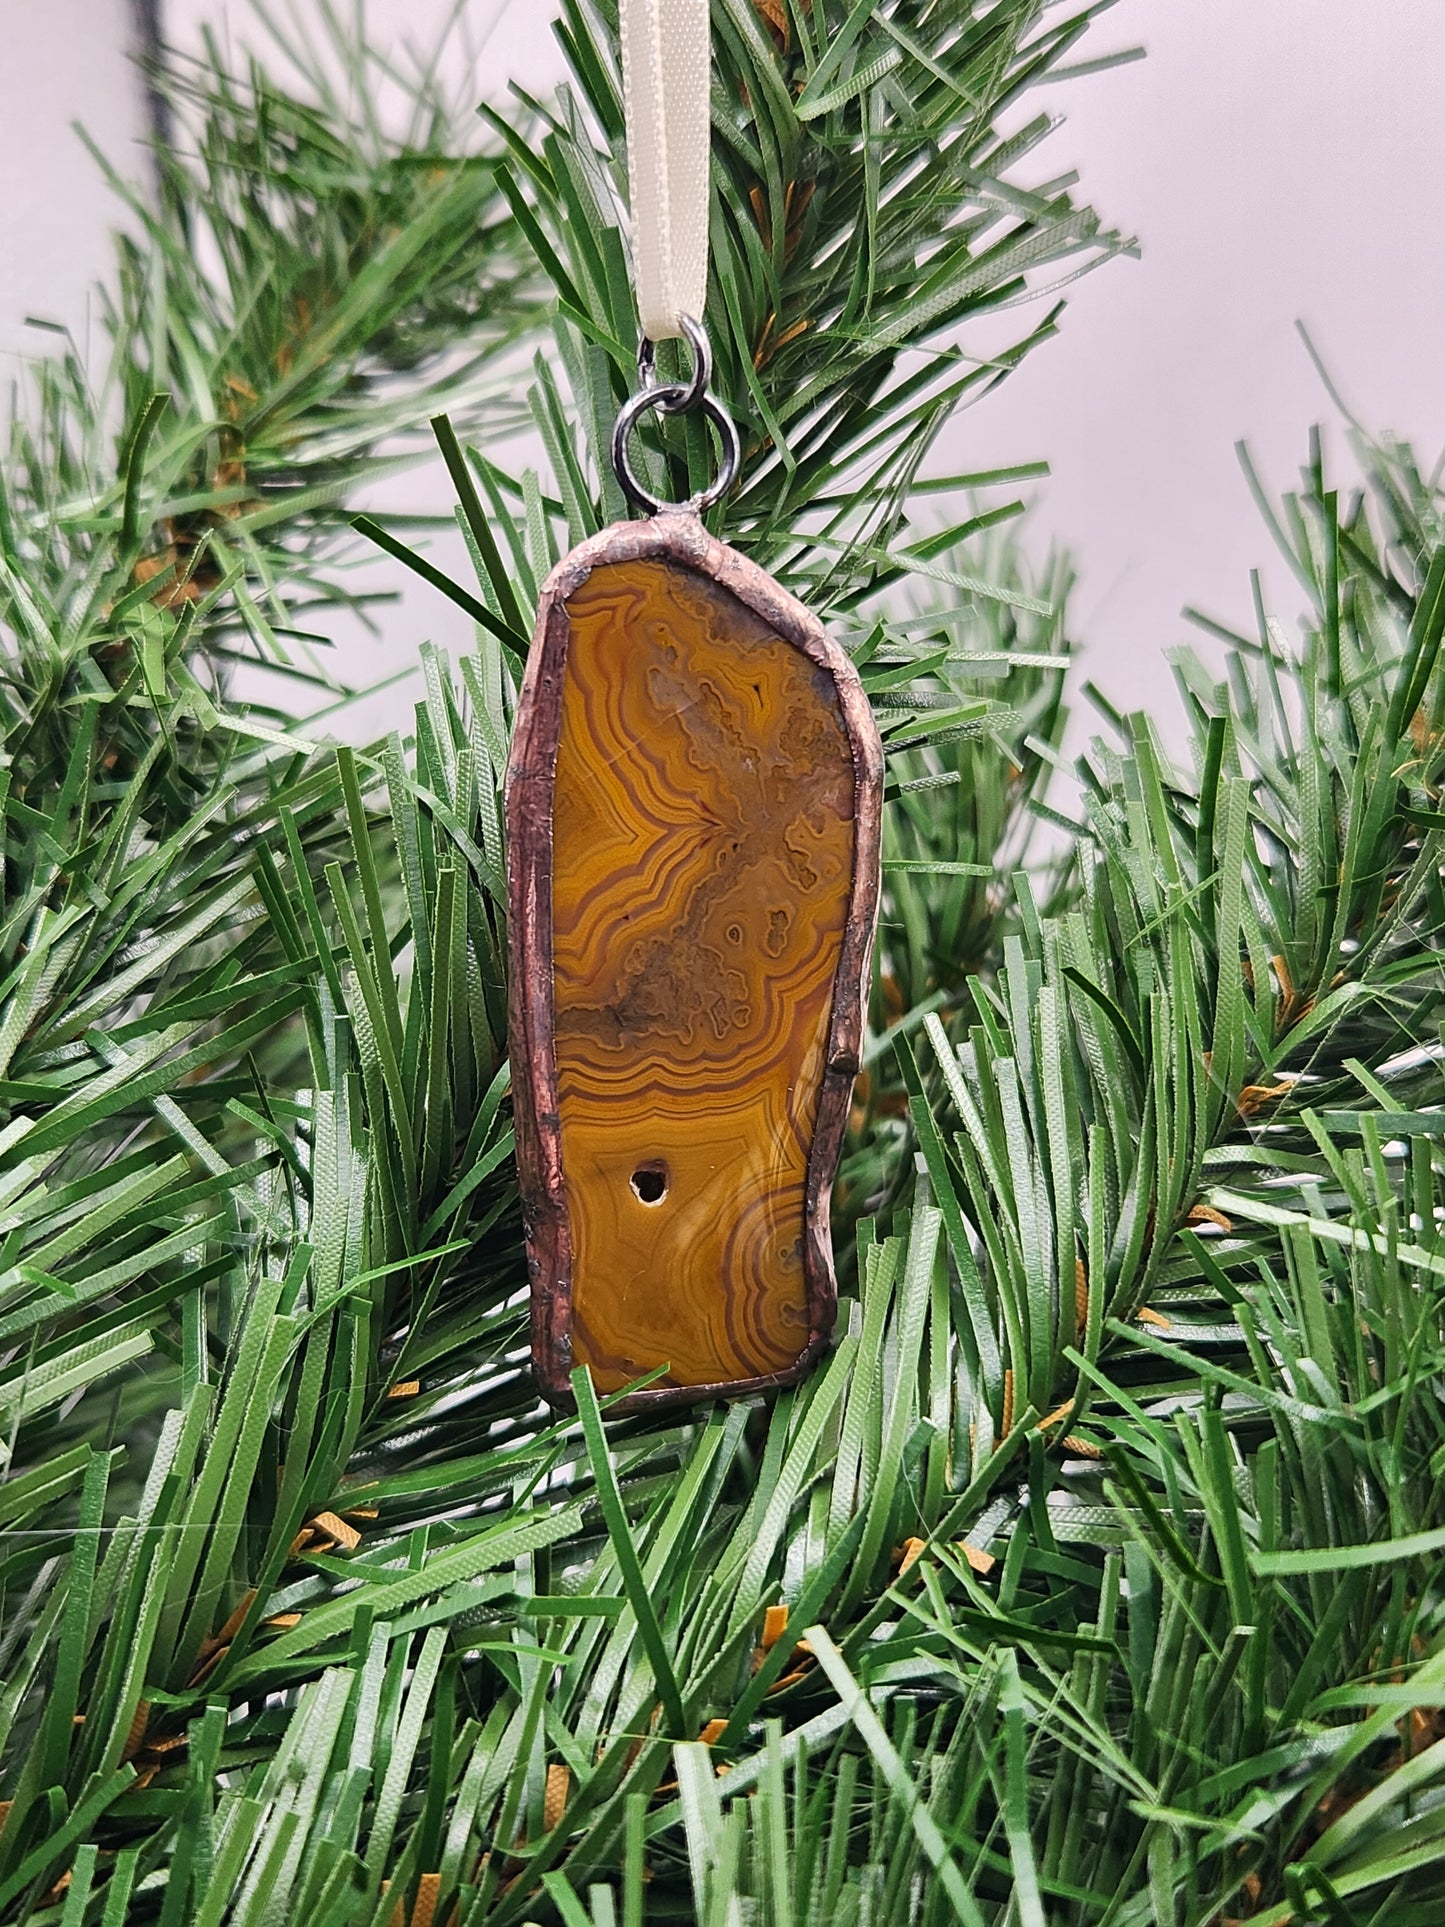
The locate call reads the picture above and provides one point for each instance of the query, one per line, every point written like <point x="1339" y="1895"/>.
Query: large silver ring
<point x="668" y="400"/>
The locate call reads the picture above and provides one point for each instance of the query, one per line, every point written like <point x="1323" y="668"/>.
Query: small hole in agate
<point x="649" y="1183"/>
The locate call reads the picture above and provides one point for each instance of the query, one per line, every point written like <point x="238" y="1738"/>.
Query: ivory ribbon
<point x="666" y="79"/>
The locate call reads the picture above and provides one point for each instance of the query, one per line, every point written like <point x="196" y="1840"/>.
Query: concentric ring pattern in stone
<point x="702" y="854"/>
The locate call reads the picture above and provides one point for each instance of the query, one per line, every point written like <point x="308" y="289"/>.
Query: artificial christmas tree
<point x="1093" y="1577"/>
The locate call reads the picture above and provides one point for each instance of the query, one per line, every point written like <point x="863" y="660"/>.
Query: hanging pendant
<point x="693" y="804"/>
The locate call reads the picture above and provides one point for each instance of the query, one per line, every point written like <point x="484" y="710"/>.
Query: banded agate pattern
<point x="702" y="853"/>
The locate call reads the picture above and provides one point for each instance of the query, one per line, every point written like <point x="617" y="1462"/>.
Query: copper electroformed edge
<point x="678" y="536"/>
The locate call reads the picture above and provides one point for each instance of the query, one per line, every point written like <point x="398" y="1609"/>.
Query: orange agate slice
<point x="693" y="826"/>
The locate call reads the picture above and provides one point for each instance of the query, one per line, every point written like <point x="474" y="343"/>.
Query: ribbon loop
<point x="666" y="82"/>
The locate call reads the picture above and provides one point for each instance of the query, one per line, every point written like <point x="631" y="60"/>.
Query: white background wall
<point x="1279" y="159"/>
<point x="63" y="60"/>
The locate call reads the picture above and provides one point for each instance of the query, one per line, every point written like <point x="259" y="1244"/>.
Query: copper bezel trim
<point x="676" y="536"/>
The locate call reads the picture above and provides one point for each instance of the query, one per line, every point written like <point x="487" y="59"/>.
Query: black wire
<point x="150" y="45"/>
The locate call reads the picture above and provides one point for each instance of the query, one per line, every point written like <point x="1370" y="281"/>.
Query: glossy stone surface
<point x="702" y="854"/>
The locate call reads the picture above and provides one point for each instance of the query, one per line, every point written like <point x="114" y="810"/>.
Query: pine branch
<point x="865" y="206"/>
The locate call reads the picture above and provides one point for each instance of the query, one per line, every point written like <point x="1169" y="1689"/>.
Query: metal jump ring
<point x="693" y="390"/>
<point x="671" y="399"/>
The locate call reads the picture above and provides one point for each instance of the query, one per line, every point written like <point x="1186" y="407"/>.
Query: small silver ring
<point x="671" y="399"/>
<point x="693" y="390"/>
